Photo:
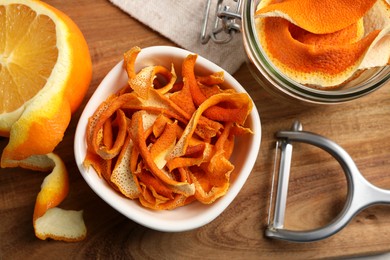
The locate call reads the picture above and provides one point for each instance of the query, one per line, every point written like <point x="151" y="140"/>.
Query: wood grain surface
<point x="317" y="187"/>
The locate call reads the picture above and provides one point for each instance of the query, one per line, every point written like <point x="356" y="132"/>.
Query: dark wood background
<point x="317" y="188"/>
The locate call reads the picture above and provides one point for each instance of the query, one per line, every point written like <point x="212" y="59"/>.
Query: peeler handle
<point x="361" y="193"/>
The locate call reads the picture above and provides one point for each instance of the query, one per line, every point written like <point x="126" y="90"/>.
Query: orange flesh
<point x="28" y="54"/>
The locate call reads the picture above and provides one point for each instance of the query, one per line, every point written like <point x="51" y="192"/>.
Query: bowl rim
<point x="144" y="216"/>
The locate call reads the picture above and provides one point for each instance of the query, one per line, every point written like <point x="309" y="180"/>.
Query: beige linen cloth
<point x="181" y="22"/>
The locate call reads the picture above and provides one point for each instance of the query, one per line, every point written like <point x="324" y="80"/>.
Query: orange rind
<point x="324" y="47"/>
<point x="49" y="220"/>
<point x="122" y="175"/>
<point x="139" y="138"/>
<point x="175" y="150"/>
<point x="59" y="224"/>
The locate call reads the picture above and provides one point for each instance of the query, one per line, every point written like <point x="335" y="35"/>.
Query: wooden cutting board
<point x="317" y="188"/>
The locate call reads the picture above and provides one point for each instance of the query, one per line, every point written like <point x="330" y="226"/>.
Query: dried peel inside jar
<point x="324" y="43"/>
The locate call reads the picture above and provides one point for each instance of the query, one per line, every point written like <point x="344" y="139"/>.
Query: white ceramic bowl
<point x="195" y="214"/>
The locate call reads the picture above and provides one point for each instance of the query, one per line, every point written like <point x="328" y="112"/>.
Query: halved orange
<point x="45" y="70"/>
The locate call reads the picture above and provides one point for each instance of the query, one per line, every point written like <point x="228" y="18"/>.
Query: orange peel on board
<point x="174" y="152"/>
<point x="324" y="47"/>
<point x="50" y="221"/>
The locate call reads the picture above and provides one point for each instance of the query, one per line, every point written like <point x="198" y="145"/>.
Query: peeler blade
<point x="283" y="153"/>
<point x="283" y="177"/>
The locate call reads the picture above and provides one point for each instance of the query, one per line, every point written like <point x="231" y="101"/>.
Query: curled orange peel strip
<point x="186" y="161"/>
<point x="220" y="182"/>
<point x="134" y="158"/>
<point x="156" y="196"/>
<point x="160" y="103"/>
<point x="220" y="143"/>
<point x="216" y="183"/>
<point x="188" y="71"/>
<point x="122" y="175"/>
<point x="159" y="125"/>
<point x="110" y="151"/>
<point x="138" y="136"/>
<point x="318" y="16"/>
<point x="238" y="130"/>
<point x="97" y="121"/>
<point x="216" y="78"/>
<point x="348" y="35"/>
<point x="129" y="61"/>
<point x="217" y="113"/>
<point x="100" y="165"/>
<point x="168" y="75"/>
<point x="147" y="179"/>
<point x="48" y="220"/>
<point x="183" y="98"/>
<point x="54" y="188"/>
<point x="164" y="144"/>
<point x="237" y="98"/>
<point x="305" y="58"/>
<point x="143" y="81"/>
<point x="210" y="90"/>
<point x="156" y="101"/>
<point x="177" y="201"/>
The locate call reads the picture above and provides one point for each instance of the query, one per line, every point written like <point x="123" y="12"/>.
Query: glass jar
<point x="280" y="85"/>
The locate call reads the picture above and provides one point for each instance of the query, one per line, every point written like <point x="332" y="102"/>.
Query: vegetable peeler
<point x="360" y="192"/>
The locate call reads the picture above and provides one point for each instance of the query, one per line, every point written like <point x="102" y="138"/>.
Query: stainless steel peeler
<point x="361" y="193"/>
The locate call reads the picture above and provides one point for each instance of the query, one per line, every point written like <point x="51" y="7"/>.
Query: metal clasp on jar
<point x="226" y="23"/>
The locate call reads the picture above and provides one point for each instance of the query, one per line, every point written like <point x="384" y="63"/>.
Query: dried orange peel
<point x="179" y="135"/>
<point x="324" y="43"/>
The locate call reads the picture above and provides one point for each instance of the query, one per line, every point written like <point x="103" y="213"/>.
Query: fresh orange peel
<point x="179" y="136"/>
<point x="49" y="221"/>
<point x="324" y="43"/>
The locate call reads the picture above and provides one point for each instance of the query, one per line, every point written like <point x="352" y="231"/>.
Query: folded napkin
<point x="181" y="22"/>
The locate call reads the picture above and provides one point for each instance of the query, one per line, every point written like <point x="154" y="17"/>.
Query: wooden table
<point x="317" y="188"/>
